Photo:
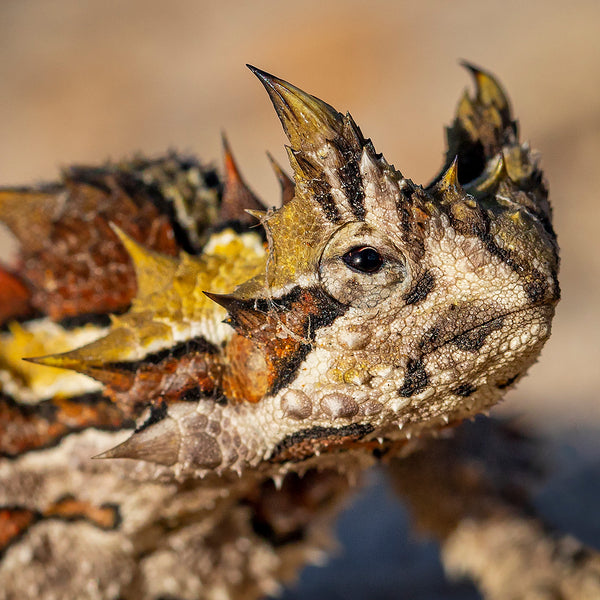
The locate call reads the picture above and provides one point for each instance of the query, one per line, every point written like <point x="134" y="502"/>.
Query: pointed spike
<point x="449" y="180"/>
<point x="489" y="91"/>
<point x="448" y="188"/>
<point x="228" y="301"/>
<point x="238" y="198"/>
<point x="370" y="167"/>
<point x="465" y="104"/>
<point x="58" y="361"/>
<point x="308" y="122"/>
<point x="244" y="317"/>
<point x="493" y="174"/>
<point x="118" y="345"/>
<point x="108" y="375"/>
<point x="294" y="163"/>
<point x="259" y="215"/>
<point x="157" y="443"/>
<point x="152" y="270"/>
<point x="352" y="132"/>
<point x="288" y="187"/>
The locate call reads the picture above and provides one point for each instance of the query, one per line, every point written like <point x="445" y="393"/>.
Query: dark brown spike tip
<point x="489" y="91"/>
<point x="288" y="188"/>
<point x="244" y="316"/>
<point x="308" y="122"/>
<point x="228" y="301"/>
<point x="238" y="198"/>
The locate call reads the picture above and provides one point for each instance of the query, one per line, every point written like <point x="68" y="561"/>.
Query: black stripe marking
<point x="354" y="431"/>
<point x="329" y="310"/>
<point x="416" y="379"/>
<point x="97" y="319"/>
<point x="319" y="187"/>
<point x="196" y="345"/>
<point x="478" y="224"/>
<point x="421" y="289"/>
<point x="47" y="414"/>
<point x="536" y="286"/>
<point x="157" y="413"/>
<point x="464" y="389"/>
<point x="504" y="384"/>
<point x="473" y="340"/>
<point x="351" y="179"/>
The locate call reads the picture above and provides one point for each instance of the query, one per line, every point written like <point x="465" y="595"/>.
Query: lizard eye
<point x="362" y="267"/>
<point x="363" y="259"/>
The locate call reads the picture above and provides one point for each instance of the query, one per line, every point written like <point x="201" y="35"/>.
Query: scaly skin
<point x="373" y="311"/>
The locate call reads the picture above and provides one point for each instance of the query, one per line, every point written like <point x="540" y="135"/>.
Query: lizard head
<point x="386" y="308"/>
<point x="380" y="309"/>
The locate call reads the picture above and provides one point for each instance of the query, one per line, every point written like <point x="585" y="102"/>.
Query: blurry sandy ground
<point x="85" y="81"/>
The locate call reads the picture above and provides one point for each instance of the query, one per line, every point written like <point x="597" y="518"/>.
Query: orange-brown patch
<point x="166" y="381"/>
<point x="246" y="376"/>
<point x="14" y="521"/>
<point x="25" y="427"/>
<point x="71" y="509"/>
<point x="71" y="259"/>
<point x="271" y="339"/>
<point x="14" y="298"/>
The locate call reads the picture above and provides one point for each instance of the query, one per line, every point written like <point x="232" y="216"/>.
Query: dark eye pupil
<point x="364" y="259"/>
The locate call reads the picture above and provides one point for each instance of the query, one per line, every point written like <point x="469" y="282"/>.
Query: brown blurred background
<point x="86" y="81"/>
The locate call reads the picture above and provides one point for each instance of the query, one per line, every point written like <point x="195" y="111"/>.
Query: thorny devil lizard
<point x="246" y="375"/>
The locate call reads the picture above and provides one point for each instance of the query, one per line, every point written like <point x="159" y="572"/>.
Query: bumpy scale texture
<point x="231" y="379"/>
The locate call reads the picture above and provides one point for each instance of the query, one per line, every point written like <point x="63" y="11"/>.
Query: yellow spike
<point x="518" y="163"/>
<point x="118" y="345"/>
<point x="152" y="270"/>
<point x="449" y="180"/>
<point x="288" y="187"/>
<point x="308" y="122"/>
<point x="465" y="113"/>
<point x="489" y="92"/>
<point x="296" y="168"/>
<point x="448" y="188"/>
<point x="495" y="171"/>
<point x="517" y="218"/>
